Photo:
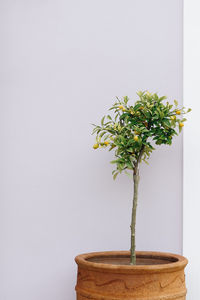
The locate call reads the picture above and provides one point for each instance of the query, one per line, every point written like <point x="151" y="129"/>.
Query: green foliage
<point x="135" y="129"/>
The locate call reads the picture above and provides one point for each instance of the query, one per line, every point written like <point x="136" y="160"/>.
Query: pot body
<point x="108" y="276"/>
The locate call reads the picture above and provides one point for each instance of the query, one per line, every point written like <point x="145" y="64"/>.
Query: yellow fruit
<point x="96" y="146"/>
<point x="106" y="143"/>
<point x="135" y="138"/>
<point x="181" y="124"/>
<point x="178" y="112"/>
<point x="120" y="107"/>
<point x="173" y="118"/>
<point x="124" y="109"/>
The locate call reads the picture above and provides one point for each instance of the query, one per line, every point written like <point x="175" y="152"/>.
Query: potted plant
<point x="133" y="132"/>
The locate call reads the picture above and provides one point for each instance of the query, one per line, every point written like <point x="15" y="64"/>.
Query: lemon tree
<point x="132" y="131"/>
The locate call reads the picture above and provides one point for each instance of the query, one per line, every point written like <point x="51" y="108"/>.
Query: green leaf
<point x="107" y="136"/>
<point x="183" y="120"/>
<point x="162" y="98"/>
<point x="140" y="93"/>
<point x="114" y="161"/>
<point x="112" y="147"/>
<point x="102" y="134"/>
<point x="161" y="114"/>
<point x="146" y="162"/>
<point x="119" y="160"/>
<point x="136" y="107"/>
<point x="147" y="114"/>
<point x="166" y="122"/>
<point x="158" y="142"/>
<point x="176" y="102"/>
<point x="115" y="175"/>
<point x="122" y="117"/>
<point x="102" y="120"/>
<point x="180" y="129"/>
<point x="126" y="99"/>
<point x="116" y="117"/>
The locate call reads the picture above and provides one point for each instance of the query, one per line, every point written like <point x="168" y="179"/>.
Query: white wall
<point x="62" y="63"/>
<point x="191" y="245"/>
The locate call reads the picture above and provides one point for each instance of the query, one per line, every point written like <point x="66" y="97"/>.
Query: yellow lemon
<point x="178" y="112"/>
<point x="135" y="138"/>
<point x="173" y="118"/>
<point x="181" y="124"/>
<point x="120" y="107"/>
<point x="106" y="143"/>
<point x="96" y="146"/>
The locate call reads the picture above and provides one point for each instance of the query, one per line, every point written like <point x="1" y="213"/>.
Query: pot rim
<point x="179" y="263"/>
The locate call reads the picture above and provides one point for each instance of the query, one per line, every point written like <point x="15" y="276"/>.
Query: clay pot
<point x="108" y="276"/>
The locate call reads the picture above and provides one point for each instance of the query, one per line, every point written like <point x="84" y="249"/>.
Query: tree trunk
<point x="133" y="220"/>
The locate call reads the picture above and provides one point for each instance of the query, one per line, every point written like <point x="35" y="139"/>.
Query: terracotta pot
<point x="108" y="276"/>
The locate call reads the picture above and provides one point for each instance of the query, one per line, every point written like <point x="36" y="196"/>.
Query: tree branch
<point x="136" y="168"/>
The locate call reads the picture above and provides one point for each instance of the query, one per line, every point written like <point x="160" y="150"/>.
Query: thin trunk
<point x="133" y="219"/>
<point x="136" y="179"/>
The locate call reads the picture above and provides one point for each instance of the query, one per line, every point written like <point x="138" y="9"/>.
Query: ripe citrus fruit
<point x="178" y="112"/>
<point x="96" y="146"/>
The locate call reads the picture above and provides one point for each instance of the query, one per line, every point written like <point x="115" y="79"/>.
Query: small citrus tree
<point x="133" y="132"/>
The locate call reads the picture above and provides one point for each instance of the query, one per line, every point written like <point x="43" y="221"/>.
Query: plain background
<point x="191" y="241"/>
<point x="62" y="64"/>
